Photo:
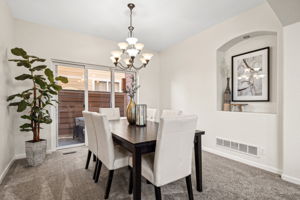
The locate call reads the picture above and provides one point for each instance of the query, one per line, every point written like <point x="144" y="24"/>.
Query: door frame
<point x="85" y="66"/>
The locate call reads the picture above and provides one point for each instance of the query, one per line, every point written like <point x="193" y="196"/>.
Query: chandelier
<point x="130" y="50"/>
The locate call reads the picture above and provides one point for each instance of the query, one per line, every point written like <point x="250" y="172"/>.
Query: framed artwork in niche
<point x="250" y="76"/>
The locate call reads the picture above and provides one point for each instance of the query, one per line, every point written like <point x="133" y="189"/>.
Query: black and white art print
<point x="250" y="76"/>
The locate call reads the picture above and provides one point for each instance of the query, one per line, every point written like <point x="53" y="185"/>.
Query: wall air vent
<point x="236" y="146"/>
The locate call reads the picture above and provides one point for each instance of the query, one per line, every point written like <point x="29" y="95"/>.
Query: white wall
<point x="52" y="43"/>
<point x="6" y="136"/>
<point x="291" y="106"/>
<point x="189" y="82"/>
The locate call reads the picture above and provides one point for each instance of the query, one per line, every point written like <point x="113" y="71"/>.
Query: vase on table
<point x="227" y="97"/>
<point x="130" y="113"/>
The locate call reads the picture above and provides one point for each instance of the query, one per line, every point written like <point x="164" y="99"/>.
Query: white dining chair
<point x="172" y="159"/>
<point x="151" y="114"/>
<point x="111" y="113"/>
<point x="170" y="113"/>
<point x="112" y="156"/>
<point x="91" y="138"/>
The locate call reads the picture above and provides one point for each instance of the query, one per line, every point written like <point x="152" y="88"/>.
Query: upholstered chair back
<point x="170" y="113"/>
<point x="90" y="131"/>
<point x="151" y="114"/>
<point x="105" y="143"/>
<point x="111" y="113"/>
<point x="174" y="148"/>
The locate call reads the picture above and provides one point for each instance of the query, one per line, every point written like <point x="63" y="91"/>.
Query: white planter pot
<point x="35" y="152"/>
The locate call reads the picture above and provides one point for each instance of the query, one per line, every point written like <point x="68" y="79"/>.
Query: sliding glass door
<point x="89" y="88"/>
<point x="70" y="107"/>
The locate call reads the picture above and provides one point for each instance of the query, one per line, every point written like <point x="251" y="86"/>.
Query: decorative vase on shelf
<point x="227" y="97"/>
<point x="130" y="113"/>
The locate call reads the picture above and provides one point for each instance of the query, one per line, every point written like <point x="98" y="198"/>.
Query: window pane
<point x="74" y="75"/>
<point x="99" y="89"/>
<point x="122" y="80"/>
<point x="71" y="98"/>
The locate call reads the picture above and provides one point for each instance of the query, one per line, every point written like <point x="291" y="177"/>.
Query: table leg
<point x="136" y="159"/>
<point x="198" y="161"/>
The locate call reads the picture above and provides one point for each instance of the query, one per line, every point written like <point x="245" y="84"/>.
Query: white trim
<point x="290" y="179"/>
<point x="242" y="160"/>
<point x="2" y="176"/>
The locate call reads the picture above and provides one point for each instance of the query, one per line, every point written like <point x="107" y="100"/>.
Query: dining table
<point x="141" y="140"/>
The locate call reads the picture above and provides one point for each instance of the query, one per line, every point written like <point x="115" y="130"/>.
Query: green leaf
<point x="49" y="74"/>
<point x="52" y="92"/>
<point x="23" y="77"/>
<point x="11" y="97"/>
<point x="26" y="130"/>
<point x="22" y="106"/>
<point x="62" y="79"/>
<point x="26" y="125"/>
<point x="37" y="60"/>
<point x="26" y="117"/>
<point x="56" y="87"/>
<point x="24" y="63"/>
<point x="40" y="82"/>
<point x="14" y="104"/>
<point x="39" y="68"/>
<point x="19" y="52"/>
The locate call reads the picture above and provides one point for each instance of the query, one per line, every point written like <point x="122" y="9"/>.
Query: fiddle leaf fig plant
<point x="35" y="100"/>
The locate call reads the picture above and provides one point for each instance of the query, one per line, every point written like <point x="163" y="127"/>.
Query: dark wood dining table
<point x="142" y="140"/>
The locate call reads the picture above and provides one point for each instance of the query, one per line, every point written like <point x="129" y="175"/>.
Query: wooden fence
<point x="72" y="104"/>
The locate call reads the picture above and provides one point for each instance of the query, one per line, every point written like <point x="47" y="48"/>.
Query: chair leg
<point x="108" y="185"/>
<point x="98" y="171"/>
<point x="189" y="187"/>
<point x="157" y="193"/>
<point x="130" y="182"/>
<point x="95" y="170"/>
<point x="88" y="159"/>
<point x="94" y="158"/>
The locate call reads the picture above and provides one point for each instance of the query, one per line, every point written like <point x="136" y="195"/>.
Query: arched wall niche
<point x="241" y="44"/>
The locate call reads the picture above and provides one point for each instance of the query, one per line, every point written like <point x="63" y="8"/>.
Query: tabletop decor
<point x="130" y="50"/>
<point x="141" y="114"/>
<point x="131" y="92"/>
<point x="35" y="101"/>
<point x="250" y="73"/>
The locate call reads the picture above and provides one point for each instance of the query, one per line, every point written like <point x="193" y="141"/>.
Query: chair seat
<point x="147" y="166"/>
<point x="121" y="157"/>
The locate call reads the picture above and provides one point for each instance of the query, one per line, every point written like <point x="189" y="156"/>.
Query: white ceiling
<point x="158" y="23"/>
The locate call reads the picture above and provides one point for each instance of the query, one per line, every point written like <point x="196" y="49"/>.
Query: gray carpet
<point x="63" y="177"/>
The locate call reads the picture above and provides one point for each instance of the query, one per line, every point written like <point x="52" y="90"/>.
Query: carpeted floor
<point x="63" y="177"/>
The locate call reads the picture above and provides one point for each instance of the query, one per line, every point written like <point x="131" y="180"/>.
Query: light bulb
<point x="113" y="59"/>
<point x="116" y="54"/>
<point x="131" y="40"/>
<point x="132" y="52"/>
<point x="123" y="45"/>
<point x="147" y="56"/>
<point x="127" y="61"/>
<point x="143" y="60"/>
<point x="139" y="46"/>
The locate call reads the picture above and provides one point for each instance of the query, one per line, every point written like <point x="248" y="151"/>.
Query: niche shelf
<point x="244" y="43"/>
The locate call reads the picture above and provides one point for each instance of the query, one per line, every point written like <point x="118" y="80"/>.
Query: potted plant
<point x="34" y="102"/>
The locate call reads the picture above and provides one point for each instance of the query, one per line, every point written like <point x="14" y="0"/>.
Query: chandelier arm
<point x="120" y="65"/>
<point x="138" y="68"/>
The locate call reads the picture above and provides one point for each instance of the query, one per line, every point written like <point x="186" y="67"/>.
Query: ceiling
<point x="158" y="23"/>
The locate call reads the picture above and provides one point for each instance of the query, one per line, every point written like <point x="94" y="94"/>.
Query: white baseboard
<point x="6" y="170"/>
<point x="247" y="162"/>
<point x="290" y="179"/>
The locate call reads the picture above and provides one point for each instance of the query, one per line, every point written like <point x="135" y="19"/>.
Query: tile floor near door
<point x="63" y="177"/>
